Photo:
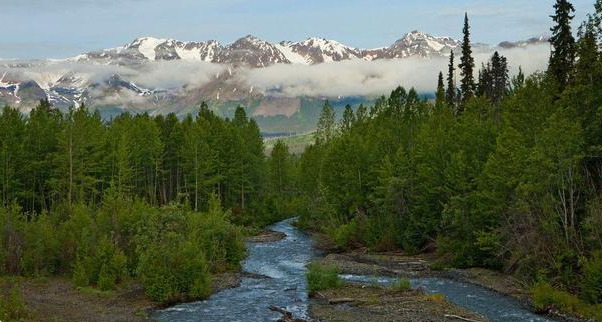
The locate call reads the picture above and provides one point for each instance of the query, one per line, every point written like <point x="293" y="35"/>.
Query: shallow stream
<point x="278" y="278"/>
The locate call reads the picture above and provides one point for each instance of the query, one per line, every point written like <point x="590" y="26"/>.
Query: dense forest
<point x="138" y="197"/>
<point x="498" y="172"/>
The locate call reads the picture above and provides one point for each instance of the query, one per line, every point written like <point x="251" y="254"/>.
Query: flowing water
<point x="280" y="281"/>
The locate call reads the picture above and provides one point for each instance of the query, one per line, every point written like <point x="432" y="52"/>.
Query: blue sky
<point x="62" y="28"/>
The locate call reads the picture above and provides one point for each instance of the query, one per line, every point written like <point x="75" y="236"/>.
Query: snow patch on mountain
<point x="146" y="46"/>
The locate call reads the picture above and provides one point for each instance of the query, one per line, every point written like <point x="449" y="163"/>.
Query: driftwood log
<point x="457" y="317"/>
<point x="286" y="315"/>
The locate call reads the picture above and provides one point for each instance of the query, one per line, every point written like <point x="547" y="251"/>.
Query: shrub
<point x="222" y="242"/>
<point x="346" y="235"/>
<point x="436" y="297"/>
<point x="80" y="277"/>
<point x="401" y="285"/>
<point x="321" y="277"/>
<point x="545" y="297"/>
<point x="174" y="269"/>
<point x="13" y="307"/>
<point x="591" y="284"/>
<point x="40" y="253"/>
<point x="106" y="278"/>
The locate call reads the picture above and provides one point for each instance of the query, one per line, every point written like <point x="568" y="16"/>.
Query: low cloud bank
<point x="346" y="78"/>
<point x="358" y="77"/>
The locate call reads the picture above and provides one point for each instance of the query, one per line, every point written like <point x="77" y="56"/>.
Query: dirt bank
<point x="357" y="302"/>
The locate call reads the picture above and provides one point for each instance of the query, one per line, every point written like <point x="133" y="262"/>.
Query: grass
<point x="12" y="305"/>
<point x="401" y="285"/>
<point x="436" y="297"/>
<point x="546" y="297"/>
<point x="321" y="277"/>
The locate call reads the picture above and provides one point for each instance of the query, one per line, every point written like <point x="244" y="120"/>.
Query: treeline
<point x="138" y="197"/>
<point x="501" y="173"/>
<point x="53" y="161"/>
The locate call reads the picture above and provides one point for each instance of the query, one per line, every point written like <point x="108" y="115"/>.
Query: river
<point x="278" y="278"/>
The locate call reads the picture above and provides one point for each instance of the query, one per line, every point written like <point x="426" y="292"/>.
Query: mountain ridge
<point x="23" y="83"/>
<point x="255" y="52"/>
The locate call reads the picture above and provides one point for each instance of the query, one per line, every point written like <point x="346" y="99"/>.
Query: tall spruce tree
<point x="499" y="77"/>
<point x="467" y="84"/>
<point x="587" y="51"/>
<point x="562" y="57"/>
<point x="348" y="118"/>
<point x="326" y="125"/>
<point x="440" y="97"/>
<point x="450" y="94"/>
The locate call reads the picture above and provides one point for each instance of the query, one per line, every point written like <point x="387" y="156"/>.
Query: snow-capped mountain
<point x="318" y="50"/>
<point x="421" y="44"/>
<point x="251" y="51"/>
<point x="113" y="77"/>
<point x="254" y="52"/>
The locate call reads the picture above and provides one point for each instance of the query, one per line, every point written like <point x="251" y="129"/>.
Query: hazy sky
<point x="62" y="28"/>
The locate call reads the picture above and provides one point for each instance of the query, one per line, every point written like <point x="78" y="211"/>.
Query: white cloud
<point x="346" y="78"/>
<point x="358" y="77"/>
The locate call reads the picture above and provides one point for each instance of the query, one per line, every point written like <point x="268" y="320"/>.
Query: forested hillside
<point x="500" y="173"/>
<point x="138" y="197"/>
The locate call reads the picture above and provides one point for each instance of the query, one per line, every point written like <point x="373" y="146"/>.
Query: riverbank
<point x="397" y="265"/>
<point x="372" y="303"/>
<point x="56" y="299"/>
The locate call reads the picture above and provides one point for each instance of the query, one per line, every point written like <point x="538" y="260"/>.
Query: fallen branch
<point x="451" y="316"/>
<point x="341" y="300"/>
<point x="286" y="315"/>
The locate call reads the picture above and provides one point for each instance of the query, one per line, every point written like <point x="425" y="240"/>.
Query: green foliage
<point x="591" y="284"/>
<point x="546" y="297"/>
<point x="12" y="306"/>
<point x="174" y="269"/>
<point x="401" y="285"/>
<point x="41" y="249"/>
<point x="93" y="200"/>
<point x="80" y="277"/>
<point x="321" y="277"/>
<point x="512" y="182"/>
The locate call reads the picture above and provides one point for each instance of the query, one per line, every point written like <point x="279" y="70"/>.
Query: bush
<point x="13" y="307"/>
<point x="106" y="279"/>
<point x="401" y="285"/>
<point x="591" y="284"/>
<point x="222" y="242"/>
<point x="546" y="297"/>
<point x="347" y="235"/>
<point x="41" y="247"/>
<point x="80" y="277"/>
<point x="321" y="277"/>
<point x="174" y="269"/>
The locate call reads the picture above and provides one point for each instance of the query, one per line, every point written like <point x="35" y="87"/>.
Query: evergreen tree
<point x="485" y="84"/>
<point x="450" y="95"/>
<point x="280" y="171"/>
<point x="348" y="118"/>
<point x="440" y="95"/>
<point x="467" y="84"/>
<point x="562" y="57"/>
<point x="587" y="52"/>
<point x="41" y="140"/>
<point x="499" y="73"/>
<point x="517" y="82"/>
<point x="493" y="79"/>
<point x="326" y="125"/>
<point x="12" y="128"/>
